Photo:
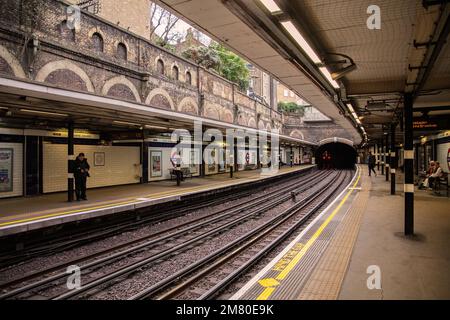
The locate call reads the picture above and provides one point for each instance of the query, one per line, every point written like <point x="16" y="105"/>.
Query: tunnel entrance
<point x="336" y="155"/>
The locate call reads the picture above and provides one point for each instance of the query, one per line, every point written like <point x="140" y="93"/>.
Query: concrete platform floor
<point x="411" y="268"/>
<point x="24" y="209"/>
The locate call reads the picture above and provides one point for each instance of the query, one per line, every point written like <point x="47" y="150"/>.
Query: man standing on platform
<point x="371" y="162"/>
<point x="81" y="172"/>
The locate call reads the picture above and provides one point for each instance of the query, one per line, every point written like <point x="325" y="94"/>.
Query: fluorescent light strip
<point x="44" y="113"/>
<point x="155" y="127"/>
<point x="289" y="26"/>
<point x="327" y="75"/>
<point x="127" y="123"/>
<point x="350" y="108"/>
<point x="271" y="5"/>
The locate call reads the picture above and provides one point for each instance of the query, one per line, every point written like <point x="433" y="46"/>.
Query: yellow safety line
<point x="65" y="213"/>
<point x="266" y="293"/>
<point x="151" y="196"/>
<point x="283" y="274"/>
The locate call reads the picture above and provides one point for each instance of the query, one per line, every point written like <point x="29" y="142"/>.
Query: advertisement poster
<point x="6" y="169"/>
<point x="156" y="163"/>
<point x="99" y="159"/>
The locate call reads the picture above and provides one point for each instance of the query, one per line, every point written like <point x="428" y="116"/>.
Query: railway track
<point x="207" y="278"/>
<point x="229" y="218"/>
<point x="55" y="244"/>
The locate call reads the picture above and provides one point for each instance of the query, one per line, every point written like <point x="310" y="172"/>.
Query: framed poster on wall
<point x="99" y="159"/>
<point x="155" y="164"/>
<point x="6" y="169"/>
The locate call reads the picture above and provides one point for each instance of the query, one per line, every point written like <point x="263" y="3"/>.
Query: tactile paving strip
<point x="326" y="279"/>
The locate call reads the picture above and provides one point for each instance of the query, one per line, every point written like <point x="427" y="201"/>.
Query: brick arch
<point x="188" y="105"/>
<point x="268" y="127"/>
<point x="242" y="119"/>
<point x="12" y="62"/>
<point x="164" y="64"/>
<point x="297" y="134"/>
<point x="161" y="94"/>
<point x="261" y="125"/>
<point x="251" y="122"/>
<point x="226" y="116"/>
<point x="213" y="112"/>
<point x="121" y="80"/>
<point x="54" y="66"/>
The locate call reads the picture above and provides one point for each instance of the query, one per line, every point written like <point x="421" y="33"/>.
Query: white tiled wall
<point x="17" y="170"/>
<point x="442" y="152"/>
<point x="122" y="166"/>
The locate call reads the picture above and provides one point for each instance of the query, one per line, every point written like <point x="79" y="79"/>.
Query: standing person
<point x="81" y="172"/>
<point x="371" y="163"/>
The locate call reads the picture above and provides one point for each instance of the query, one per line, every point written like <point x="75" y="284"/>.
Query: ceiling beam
<point x="431" y="56"/>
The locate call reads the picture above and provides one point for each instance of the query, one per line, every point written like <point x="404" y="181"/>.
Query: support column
<point x="299" y="155"/>
<point x="70" y="159"/>
<point x="416" y="157"/>
<point x="279" y="156"/>
<point x="393" y="158"/>
<point x="387" y="157"/>
<point x="235" y="154"/>
<point x="382" y="156"/>
<point x="378" y="156"/>
<point x="202" y="161"/>
<point x="409" y="170"/>
<point x="258" y="151"/>
<point x="292" y="157"/>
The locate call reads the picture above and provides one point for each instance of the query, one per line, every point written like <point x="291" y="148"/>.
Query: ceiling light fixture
<point x="293" y="31"/>
<point x="44" y="113"/>
<point x="350" y="107"/>
<point x="327" y="75"/>
<point x="126" y="123"/>
<point x="271" y="5"/>
<point x="155" y="127"/>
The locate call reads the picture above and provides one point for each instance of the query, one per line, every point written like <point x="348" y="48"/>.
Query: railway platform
<point x="355" y="249"/>
<point x="19" y="215"/>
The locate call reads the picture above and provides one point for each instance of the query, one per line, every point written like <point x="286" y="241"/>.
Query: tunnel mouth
<point x="336" y="155"/>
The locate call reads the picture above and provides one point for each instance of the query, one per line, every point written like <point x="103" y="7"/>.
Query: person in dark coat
<point x="81" y="172"/>
<point x="371" y="163"/>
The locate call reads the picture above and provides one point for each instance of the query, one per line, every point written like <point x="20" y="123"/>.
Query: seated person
<point x="435" y="175"/>
<point x="426" y="175"/>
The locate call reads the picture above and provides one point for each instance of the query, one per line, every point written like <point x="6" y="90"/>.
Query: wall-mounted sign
<point x="99" y="159"/>
<point x="431" y="123"/>
<point x="6" y="169"/>
<point x="128" y="135"/>
<point x="76" y="134"/>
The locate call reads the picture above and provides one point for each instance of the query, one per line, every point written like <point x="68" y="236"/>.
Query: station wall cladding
<point x="343" y="156"/>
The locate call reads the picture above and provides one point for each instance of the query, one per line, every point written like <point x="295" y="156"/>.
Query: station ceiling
<point x="409" y="53"/>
